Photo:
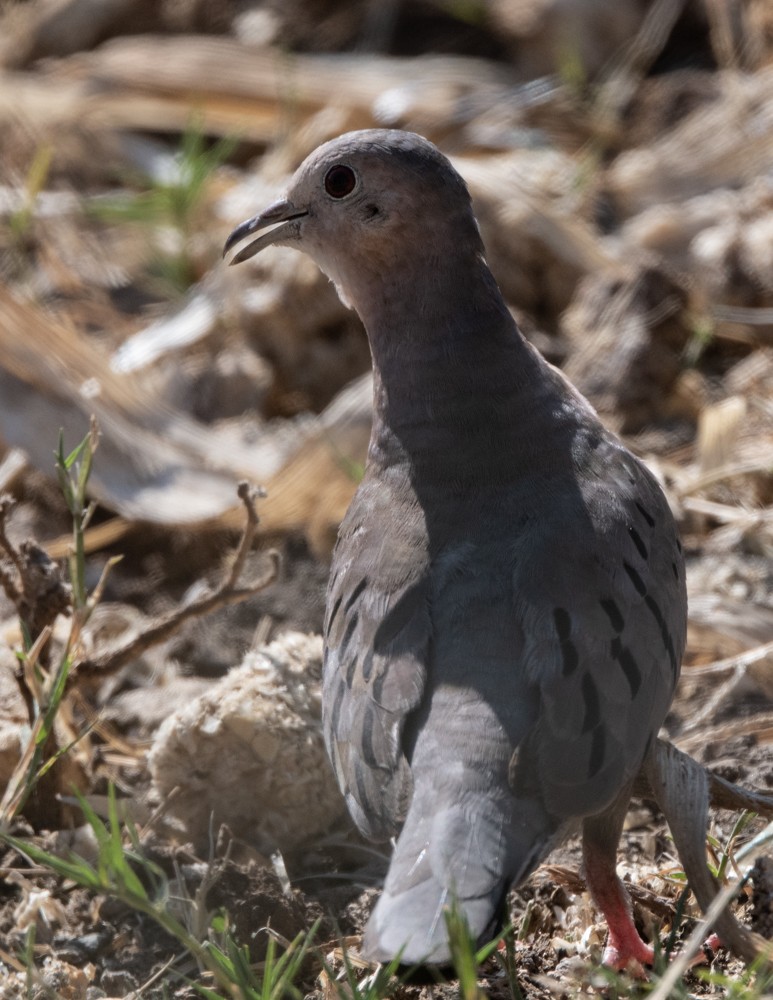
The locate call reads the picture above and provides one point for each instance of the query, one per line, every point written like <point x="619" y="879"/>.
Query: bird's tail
<point x="465" y="850"/>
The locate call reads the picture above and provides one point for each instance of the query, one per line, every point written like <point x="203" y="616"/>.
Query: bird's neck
<point x="420" y="298"/>
<point x="450" y="378"/>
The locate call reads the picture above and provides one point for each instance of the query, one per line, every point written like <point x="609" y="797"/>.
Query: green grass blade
<point x="74" y="867"/>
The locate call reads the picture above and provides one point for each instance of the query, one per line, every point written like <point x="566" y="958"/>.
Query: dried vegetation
<point x="620" y="155"/>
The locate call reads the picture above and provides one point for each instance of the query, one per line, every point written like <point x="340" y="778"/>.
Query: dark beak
<point x="283" y="215"/>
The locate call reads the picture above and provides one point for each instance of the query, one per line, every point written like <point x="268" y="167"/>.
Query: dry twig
<point x="226" y="593"/>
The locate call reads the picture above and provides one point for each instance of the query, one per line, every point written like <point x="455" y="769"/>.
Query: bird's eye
<point x="340" y="181"/>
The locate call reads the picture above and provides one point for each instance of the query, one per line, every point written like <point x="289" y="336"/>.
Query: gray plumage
<point x="506" y="609"/>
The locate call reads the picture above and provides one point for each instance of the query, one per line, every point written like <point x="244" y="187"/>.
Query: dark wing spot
<point x="614" y="614"/>
<point x="625" y="658"/>
<point x="590" y="696"/>
<point x="356" y="593"/>
<point x="398" y="618"/>
<point x="636" y="580"/>
<point x="368" y="752"/>
<point x="675" y="568"/>
<point x="351" y="625"/>
<point x="569" y="653"/>
<point x="332" y="616"/>
<point x="665" y="635"/>
<point x="570" y="657"/>
<point x="638" y="542"/>
<point x="563" y="623"/>
<point x="645" y="514"/>
<point x="378" y="685"/>
<point x="367" y="665"/>
<point x="597" y="751"/>
<point x="364" y="798"/>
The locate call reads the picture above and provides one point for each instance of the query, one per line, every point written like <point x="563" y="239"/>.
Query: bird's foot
<point x="626" y="952"/>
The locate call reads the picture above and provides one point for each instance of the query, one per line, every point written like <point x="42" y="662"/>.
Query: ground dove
<point x="506" y="608"/>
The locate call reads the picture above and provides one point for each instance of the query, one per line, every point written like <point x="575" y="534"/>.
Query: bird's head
<point x="370" y="208"/>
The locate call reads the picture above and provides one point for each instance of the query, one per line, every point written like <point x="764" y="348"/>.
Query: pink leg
<point x="600" y="838"/>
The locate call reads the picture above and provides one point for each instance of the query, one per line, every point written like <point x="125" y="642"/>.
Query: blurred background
<point x="620" y="158"/>
<point x="620" y="155"/>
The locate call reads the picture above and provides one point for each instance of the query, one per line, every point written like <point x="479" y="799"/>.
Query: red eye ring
<point x="340" y="181"/>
